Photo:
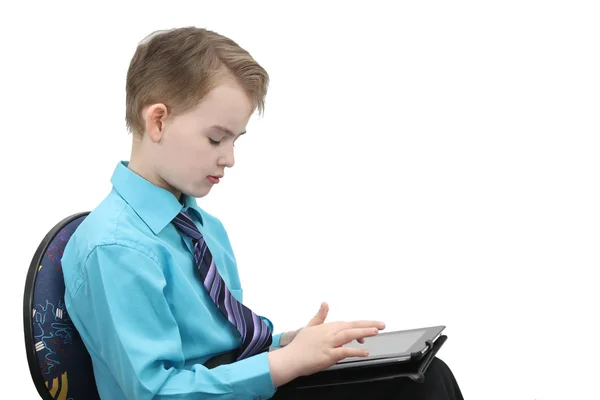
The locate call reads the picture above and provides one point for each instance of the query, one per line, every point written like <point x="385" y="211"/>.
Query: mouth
<point x="214" y="179"/>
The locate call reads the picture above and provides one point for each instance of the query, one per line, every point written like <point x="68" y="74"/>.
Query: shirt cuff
<point x="253" y="375"/>
<point x="277" y="340"/>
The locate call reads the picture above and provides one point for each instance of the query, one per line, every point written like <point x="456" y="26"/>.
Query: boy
<point x="151" y="279"/>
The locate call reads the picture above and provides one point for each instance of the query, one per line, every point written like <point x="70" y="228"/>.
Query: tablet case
<point x="414" y="369"/>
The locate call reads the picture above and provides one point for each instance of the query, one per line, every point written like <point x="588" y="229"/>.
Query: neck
<point x="138" y="164"/>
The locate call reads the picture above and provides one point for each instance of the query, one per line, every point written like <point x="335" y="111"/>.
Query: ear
<point x="154" y="117"/>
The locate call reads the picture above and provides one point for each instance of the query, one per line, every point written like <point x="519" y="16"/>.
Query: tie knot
<point x="184" y="223"/>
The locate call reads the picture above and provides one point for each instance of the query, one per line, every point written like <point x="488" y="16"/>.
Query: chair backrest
<point x="59" y="363"/>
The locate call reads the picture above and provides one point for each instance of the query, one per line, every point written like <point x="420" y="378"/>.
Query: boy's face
<point x="189" y="152"/>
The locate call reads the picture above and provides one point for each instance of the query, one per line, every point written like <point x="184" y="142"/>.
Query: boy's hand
<point x="318" y="319"/>
<point x="321" y="315"/>
<point x="319" y="346"/>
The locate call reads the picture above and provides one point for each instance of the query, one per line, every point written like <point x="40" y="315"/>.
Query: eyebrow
<point x="225" y="130"/>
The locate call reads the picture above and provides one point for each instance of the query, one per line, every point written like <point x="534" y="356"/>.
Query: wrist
<point x="282" y="366"/>
<point x="287" y="337"/>
<point x="284" y="341"/>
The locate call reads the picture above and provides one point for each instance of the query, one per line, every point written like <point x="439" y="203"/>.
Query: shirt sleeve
<point x="277" y="339"/>
<point x="122" y="307"/>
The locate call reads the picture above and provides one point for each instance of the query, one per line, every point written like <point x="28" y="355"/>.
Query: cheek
<point x="187" y="152"/>
<point x="190" y="156"/>
<point x="199" y="161"/>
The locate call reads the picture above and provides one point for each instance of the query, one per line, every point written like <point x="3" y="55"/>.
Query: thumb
<point x="321" y="315"/>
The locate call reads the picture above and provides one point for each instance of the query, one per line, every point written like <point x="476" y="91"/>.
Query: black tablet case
<point x="414" y="369"/>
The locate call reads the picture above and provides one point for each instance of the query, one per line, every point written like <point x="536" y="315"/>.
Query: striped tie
<point x="256" y="335"/>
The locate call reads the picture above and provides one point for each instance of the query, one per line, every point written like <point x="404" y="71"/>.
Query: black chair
<point x="59" y="363"/>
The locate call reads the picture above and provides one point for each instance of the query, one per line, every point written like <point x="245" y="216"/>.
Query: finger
<point x="321" y="315"/>
<point x="343" y="352"/>
<point x="361" y="324"/>
<point x="361" y="340"/>
<point x="349" y="335"/>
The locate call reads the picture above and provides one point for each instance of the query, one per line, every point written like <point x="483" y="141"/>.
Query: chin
<point x="199" y="192"/>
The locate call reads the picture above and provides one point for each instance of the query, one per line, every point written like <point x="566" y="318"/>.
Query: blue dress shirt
<point x="134" y="294"/>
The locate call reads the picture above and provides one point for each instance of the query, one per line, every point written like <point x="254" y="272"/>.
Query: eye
<point x="214" y="142"/>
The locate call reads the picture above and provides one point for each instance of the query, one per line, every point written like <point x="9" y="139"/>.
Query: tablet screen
<point x="389" y="344"/>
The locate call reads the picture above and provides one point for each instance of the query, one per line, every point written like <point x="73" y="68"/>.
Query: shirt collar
<point x="154" y="205"/>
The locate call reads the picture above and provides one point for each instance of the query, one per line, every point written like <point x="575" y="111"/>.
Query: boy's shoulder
<point x="114" y="221"/>
<point x="111" y="222"/>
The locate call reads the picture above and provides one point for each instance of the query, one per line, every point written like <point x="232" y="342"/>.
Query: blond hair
<point x="178" y="67"/>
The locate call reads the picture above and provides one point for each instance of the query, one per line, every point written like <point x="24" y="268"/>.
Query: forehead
<point x="227" y="105"/>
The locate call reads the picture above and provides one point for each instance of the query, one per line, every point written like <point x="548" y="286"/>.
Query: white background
<point x="421" y="163"/>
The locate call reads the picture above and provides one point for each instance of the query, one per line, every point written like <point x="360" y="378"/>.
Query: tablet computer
<point x="391" y="347"/>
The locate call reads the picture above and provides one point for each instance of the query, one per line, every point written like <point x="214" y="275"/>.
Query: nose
<point x="227" y="158"/>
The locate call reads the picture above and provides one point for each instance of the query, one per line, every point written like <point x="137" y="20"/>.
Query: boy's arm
<point x="128" y="321"/>
<point x="287" y="337"/>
